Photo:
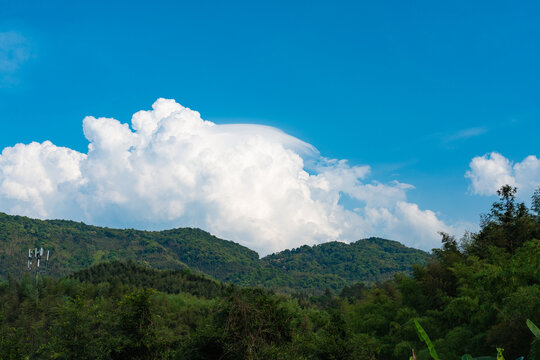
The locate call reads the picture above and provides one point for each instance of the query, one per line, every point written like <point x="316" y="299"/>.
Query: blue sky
<point x="415" y="90"/>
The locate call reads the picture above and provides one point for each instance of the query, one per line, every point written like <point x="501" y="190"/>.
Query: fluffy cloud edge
<point x="248" y="183"/>
<point x="489" y="172"/>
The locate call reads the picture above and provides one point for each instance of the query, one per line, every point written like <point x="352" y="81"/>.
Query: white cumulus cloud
<point x="491" y="171"/>
<point x="249" y="183"/>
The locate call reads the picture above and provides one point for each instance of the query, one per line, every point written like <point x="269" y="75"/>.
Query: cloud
<point x="36" y="178"/>
<point x="249" y="183"/>
<point x="465" y="134"/>
<point x="14" y="51"/>
<point x="491" y="171"/>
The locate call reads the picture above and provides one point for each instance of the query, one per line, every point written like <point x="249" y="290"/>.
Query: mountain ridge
<point x="76" y="246"/>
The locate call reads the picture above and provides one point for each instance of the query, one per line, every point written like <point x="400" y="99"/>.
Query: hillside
<point x="336" y="264"/>
<point x="76" y="246"/>
<point x="167" y="281"/>
<point x="477" y="296"/>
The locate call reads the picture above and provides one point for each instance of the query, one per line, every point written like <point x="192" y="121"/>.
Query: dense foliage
<point x="336" y="264"/>
<point x="167" y="281"/>
<point x="474" y="296"/>
<point x="76" y="246"/>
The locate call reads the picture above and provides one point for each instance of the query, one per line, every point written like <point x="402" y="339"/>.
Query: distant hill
<point x="76" y="246"/>
<point x="167" y="281"/>
<point x="336" y="264"/>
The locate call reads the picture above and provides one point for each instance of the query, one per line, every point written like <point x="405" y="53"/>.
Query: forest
<point x="475" y="297"/>
<point x="76" y="246"/>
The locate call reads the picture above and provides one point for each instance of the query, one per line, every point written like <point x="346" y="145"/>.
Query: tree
<point x="536" y="201"/>
<point x="136" y="334"/>
<point x="76" y="331"/>
<point x="12" y="343"/>
<point x="506" y="210"/>
<point x="253" y="323"/>
<point x="508" y="225"/>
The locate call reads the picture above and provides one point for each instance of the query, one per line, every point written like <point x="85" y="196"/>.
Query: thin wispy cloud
<point x="465" y="134"/>
<point x="14" y="52"/>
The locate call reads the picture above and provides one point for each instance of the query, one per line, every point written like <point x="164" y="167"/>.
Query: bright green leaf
<point x="425" y="338"/>
<point x="534" y="329"/>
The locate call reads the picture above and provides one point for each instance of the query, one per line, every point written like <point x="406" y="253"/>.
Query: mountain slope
<point x="167" y="281"/>
<point x="76" y="246"/>
<point x="372" y="259"/>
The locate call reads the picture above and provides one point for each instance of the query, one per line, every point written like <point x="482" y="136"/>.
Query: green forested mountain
<point x="336" y="264"/>
<point x="76" y="246"/>
<point x="479" y="295"/>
